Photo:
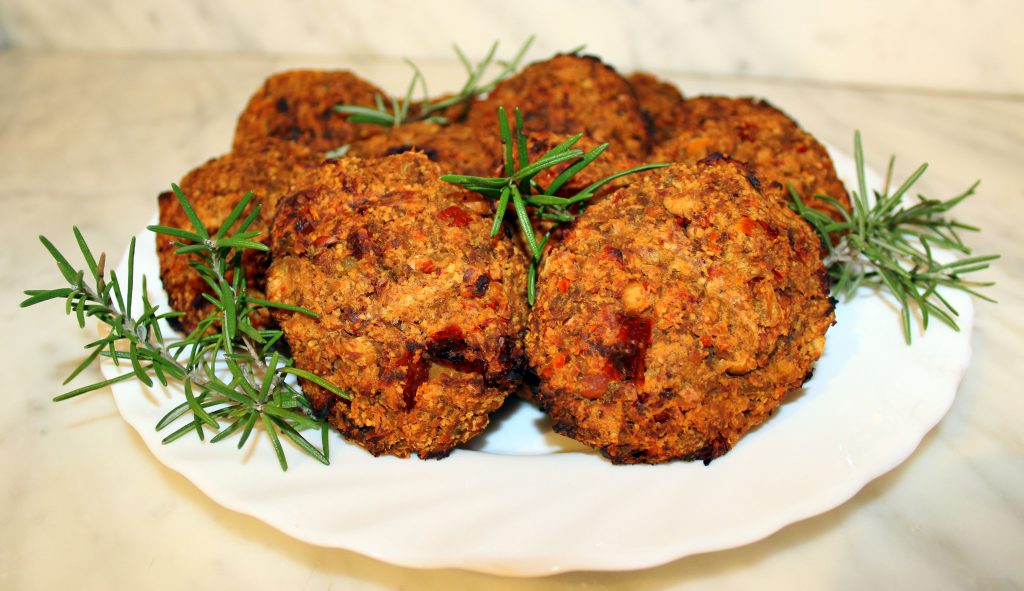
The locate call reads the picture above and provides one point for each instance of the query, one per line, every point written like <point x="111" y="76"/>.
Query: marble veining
<point x="91" y="139"/>
<point x="960" y="45"/>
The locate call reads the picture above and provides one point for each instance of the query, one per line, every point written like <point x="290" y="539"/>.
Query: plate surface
<point x="523" y="501"/>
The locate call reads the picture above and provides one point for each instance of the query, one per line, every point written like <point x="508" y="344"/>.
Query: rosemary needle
<point x="887" y="244"/>
<point x="529" y="199"/>
<point x="254" y="389"/>
<point x="396" y="111"/>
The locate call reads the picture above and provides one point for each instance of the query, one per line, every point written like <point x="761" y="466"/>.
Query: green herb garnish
<point x="397" y="112"/>
<point x="885" y="244"/>
<point x="529" y="199"/>
<point x="232" y="373"/>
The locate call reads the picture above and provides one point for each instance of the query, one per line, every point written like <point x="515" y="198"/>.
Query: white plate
<point x="524" y="501"/>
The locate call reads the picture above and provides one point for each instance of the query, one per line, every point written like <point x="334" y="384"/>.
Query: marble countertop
<point x="90" y="139"/>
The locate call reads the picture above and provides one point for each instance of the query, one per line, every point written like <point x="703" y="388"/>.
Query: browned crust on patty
<point x="677" y="315"/>
<point x="298" y="106"/>
<point x="570" y="94"/>
<point x="755" y="132"/>
<point x="421" y="314"/>
<point x="267" y="168"/>
<point x="456" y="148"/>
<point x="662" y="104"/>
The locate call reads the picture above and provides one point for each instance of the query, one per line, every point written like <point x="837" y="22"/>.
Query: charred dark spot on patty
<point x="482" y="282"/>
<point x="427" y="151"/>
<point x="628" y="357"/>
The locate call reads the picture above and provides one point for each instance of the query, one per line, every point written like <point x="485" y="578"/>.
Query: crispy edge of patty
<point x="455" y="148"/>
<point x="214" y="188"/>
<point x="298" y="106"/>
<point x="662" y="104"/>
<point x="570" y="94"/>
<point x="758" y="133"/>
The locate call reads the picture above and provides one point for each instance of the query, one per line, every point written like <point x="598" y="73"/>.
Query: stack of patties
<point x="672" y="316"/>
<point x="283" y="131"/>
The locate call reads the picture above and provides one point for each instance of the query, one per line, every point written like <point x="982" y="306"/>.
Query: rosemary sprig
<point x="232" y="373"/>
<point x="883" y="243"/>
<point x="529" y="199"/>
<point x="396" y="111"/>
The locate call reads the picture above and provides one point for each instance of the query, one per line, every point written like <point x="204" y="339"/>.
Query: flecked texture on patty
<point x="298" y="106"/>
<point x="764" y="137"/>
<point x="455" y="148"/>
<point x="267" y="168"/>
<point x="677" y="314"/>
<point x="569" y="94"/>
<point x="421" y="314"/>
